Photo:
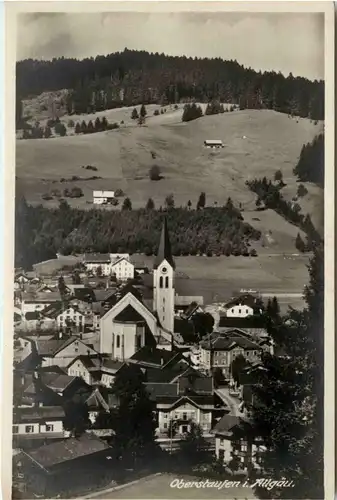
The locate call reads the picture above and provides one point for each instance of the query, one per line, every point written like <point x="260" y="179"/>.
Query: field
<point x="159" y="487"/>
<point x="217" y="279"/>
<point x="257" y="143"/>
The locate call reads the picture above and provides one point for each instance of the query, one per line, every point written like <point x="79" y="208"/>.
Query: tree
<point x="203" y="323"/>
<point x="169" y="201"/>
<point x="104" y="123"/>
<point x="194" y="447"/>
<point x="154" y="173"/>
<point x="134" y="418"/>
<point x="289" y="414"/>
<point x="71" y="124"/>
<point x="278" y="176"/>
<point x="90" y="128"/>
<point x="76" y="277"/>
<point x="150" y="204"/>
<point x="83" y="127"/>
<point x="218" y="377"/>
<point x="78" y="128"/>
<point x="47" y="132"/>
<point x="98" y="125"/>
<point x="236" y="367"/>
<point x="299" y="243"/>
<point x="301" y="191"/>
<point x="134" y="114"/>
<point x="60" y="129"/>
<point x="189" y="204"/>
<point x="127" y="205"/>
<point x="143" y="111"/>
<point x="76" y="416"/>
<point x="62" y="287"/>
<point x="202" y="201"/>
<point x="258" y="203"/>
<point x="99" y="271"/>
<point x="191" y="112"/>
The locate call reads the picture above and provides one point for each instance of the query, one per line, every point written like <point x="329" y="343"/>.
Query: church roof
<point x="164" y="250"/>
<point x="129" y="315"/>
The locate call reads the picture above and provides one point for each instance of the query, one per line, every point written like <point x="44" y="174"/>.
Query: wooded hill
<point x="133" y="77"/>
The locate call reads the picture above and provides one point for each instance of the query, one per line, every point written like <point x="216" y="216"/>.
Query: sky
<point x="286" y="42"/>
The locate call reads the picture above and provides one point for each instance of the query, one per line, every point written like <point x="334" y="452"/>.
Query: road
<point x="167" y="486"/>
<point x="232" y="403"/>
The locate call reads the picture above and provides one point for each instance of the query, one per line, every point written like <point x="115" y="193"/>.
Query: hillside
<point x="257" y="143"/>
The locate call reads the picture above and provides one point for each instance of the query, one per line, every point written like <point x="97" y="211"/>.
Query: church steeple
<point x="164" y="250"/>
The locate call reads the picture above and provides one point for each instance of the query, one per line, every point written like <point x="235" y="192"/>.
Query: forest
<point x="137" y="77"/>
<point x="310" y="166"/>
<point x="41" y="232"/>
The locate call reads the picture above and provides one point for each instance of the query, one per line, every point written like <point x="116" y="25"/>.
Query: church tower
<point x="163" y="282"/>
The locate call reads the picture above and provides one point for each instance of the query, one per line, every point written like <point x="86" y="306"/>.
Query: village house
<point x="61" y="351"/>
<point x="190" y="399"/>
<point x="93" y="262"/>
<point x="213" y="143"/>
<point x="32" y="302"/>
<point x="243" y="306"/>
<point x="66" y="315"/>
<point x="103" y="197"/>
<point x="220" y="350"/>
<point x="122" y="269"/>
<point x="62" y="465"/>
<point x="235" y="444"/>
<point x="38" y="422"/>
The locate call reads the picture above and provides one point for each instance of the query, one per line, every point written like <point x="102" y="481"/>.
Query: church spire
<point x="164" y="250"/>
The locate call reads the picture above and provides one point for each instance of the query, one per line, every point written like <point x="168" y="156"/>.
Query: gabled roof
<point x="164" y="249"/>
<point x="66" y="450"/>
<point x="52" y="347"/>
<point x="129" y="315"/>
<point x="157" y="391"/>
<point x="244" y="300"/>
<point x="224" y="342"/>
<point x="154" y="356"/>
<point x="60" y="383"/>
<point x="29" y="414"/>
<point x="194" y="384"/>
<point x="97" y="258"/>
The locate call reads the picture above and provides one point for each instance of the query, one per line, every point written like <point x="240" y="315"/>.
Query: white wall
<point x="38" y="428"/>
<point x="240" y="311"/>
<point x="78" y="369"/>
<point x="64" y="357"/>
<point x="123" y="270"/>
<point x="163" y="297"/>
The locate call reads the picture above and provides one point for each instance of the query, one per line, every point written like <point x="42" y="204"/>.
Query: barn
<point x="213" y="143"/>
<point x="102" y="197"/>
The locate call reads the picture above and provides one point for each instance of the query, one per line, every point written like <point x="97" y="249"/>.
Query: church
<point x="130" y="324"/>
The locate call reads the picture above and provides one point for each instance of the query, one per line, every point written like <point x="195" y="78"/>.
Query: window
<point x="232" y="310"/>
<point x="161" y="282"/>
<point x="29" y="429"/>
<point x="221" y="454"/>
<point x="184" y="416"/>
<point x="184" y="429"/>
<point x="166" y="282"/>
<point x="49" y="428"/>
<point x="118" y="341"/>
<point x="165" y="425"/>
<point x="15" y="429"/>
<point x="239" y="311"/>
<point x="163" y="300"/>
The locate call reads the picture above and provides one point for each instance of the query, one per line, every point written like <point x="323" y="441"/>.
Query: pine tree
<point x="300" y="245"/>
<point x="143" y="111"/>
<point x="77" y="128"/>
<point x="134" y="423"/>
<point x="202" y="201"/>
<point x="47" y="132"/>
<point x="83" y="127"/>
<point x="169" y="201"/>
<point x="90" y="128"/>
<point x="127" y="205"/>
<point x="150" y="204"/>
<point x="278" y="176"/>
<point x="62" y="287"/>
<point x="134" y="114"/>
<point x="98" y="125"/>
<point x="104" y="123"/>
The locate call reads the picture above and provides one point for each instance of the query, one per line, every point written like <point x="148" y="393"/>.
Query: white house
<point x="242" y="306"/>
<point x="213" y="143"/>
<point x="234" y="442"/>
<point x="102" y="197"/>
<point x="61" y="352"/>
<point x="38" y="422"/>
<point x="122" y="269"/>
<point x="94" y="261"/>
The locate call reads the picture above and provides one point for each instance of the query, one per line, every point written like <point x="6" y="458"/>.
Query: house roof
<point x="97" y="258"/>
<point x="222" y="342"/>
<point x="38" y="413"/>
<point x="60" y="383"/>
<point x="154" y="356"/>
<point x="52" y="347"/>
<point x="192" y="383"/>
<point x="256" y="321"/>
<point x="227" y="423"/>
<point x="67" y="450"/>
<point x="129" y="315"/>
<point x="184" y="328"/>
<point x="245" y="300"/>
<point x="32" y="315"/>
<point x="106" y="294"/>
<point x="112" y="364"/>
<point x="159" y="390"/>
<point x="164" y="249"/>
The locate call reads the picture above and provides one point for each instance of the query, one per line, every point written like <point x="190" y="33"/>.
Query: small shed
<point x="213" y="143"/>
<point x="102" y="197"/>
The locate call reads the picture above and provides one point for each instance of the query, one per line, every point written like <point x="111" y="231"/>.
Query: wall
<point x="33" y="306"/>
<point x="239" y="311"/>
<point x="123" y="270"/>
<point x="78" y="369"/>
<point x="163" y="296"/>
<point x="72" y="315"/>
<point x="39" y="428"/>
<point x="64" y="357"/>
<point x="107" y="379"/>
<point x="184" y="413"/>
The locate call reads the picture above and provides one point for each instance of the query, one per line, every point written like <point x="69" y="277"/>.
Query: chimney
<point x="23" y="379"/>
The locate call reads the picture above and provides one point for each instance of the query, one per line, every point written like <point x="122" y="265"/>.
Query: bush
<point x="60" y="129"/>
<point x="112" y="126"/>
<point x="156" y="112"/>
<point x="301" y="191"/>
<point x="46" y="197"/>
<point x="154" y="173"/>
<point x="191" y="112"/>
<point x="71" y="123"/>
<point x="74" y="192"/>
<point x="119" y="193"/>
